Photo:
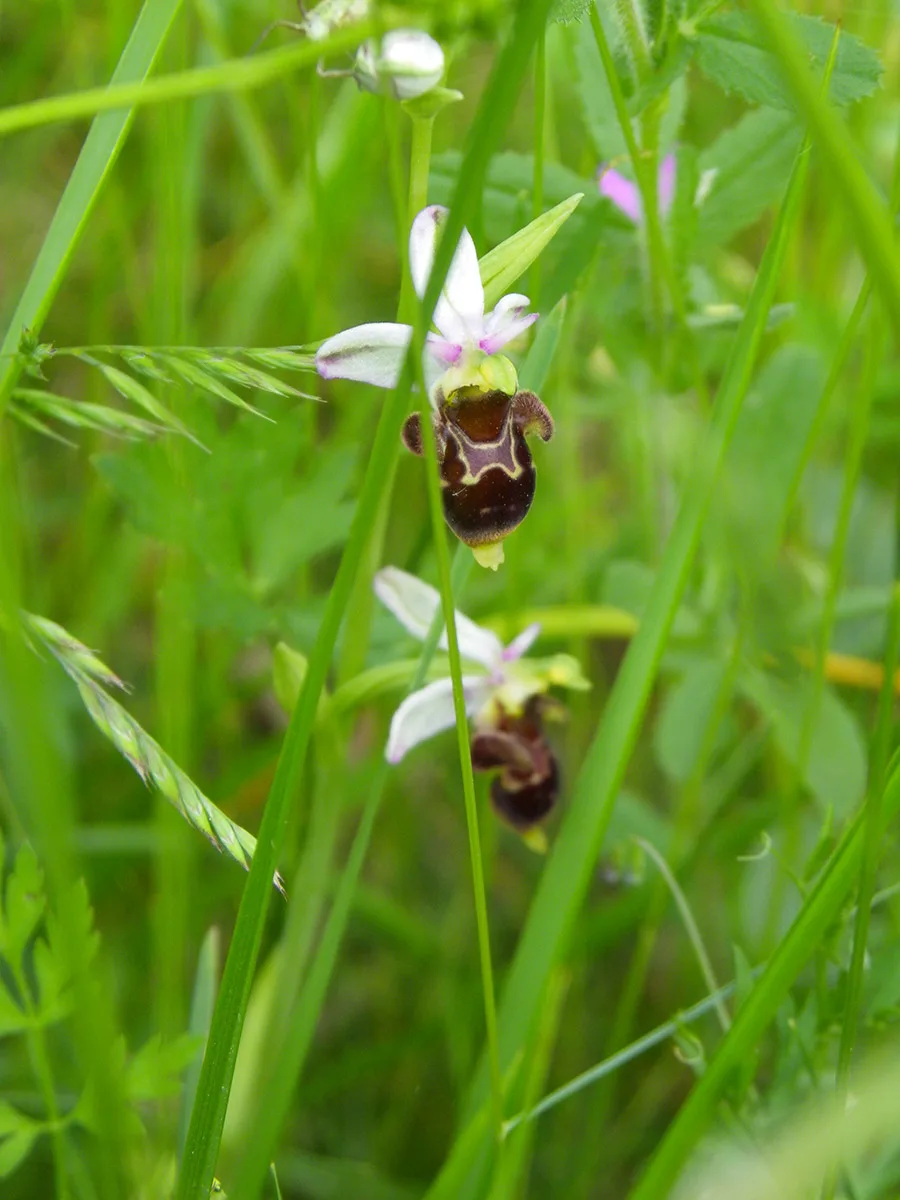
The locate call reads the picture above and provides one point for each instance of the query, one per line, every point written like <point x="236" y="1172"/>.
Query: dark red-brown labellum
<point x="487" y="472"/>
<point x="527" y="786"/>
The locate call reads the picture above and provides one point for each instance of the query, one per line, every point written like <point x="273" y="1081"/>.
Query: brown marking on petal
<point x="531" y="415"/>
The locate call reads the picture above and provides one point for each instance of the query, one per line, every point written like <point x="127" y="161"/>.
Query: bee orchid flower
<point x="506" y="696"/>
<point x="480" y="419"/>
<point x="465" y="337"/>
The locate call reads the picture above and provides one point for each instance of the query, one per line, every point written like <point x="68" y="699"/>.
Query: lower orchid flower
<point x="480" y="418"/>
<point x="506" y="695"/>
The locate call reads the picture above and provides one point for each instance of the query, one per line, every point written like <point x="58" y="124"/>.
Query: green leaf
<point x="743" y="173"/>
<point x="728" y="49"/>
<point x="502" y="266"/>
<point x="539" y="360"/>
<point x="769" y="449"/>
<point x="15" y="1148"/>
<point x="686" y="713"/>
<point x="565" y="12"/>
<point x="155" y="1070"/>
<point x="836" y="763"/>
<point x="24" y="904"/>
<point x="289" y="669"/>
<point x="12" y="1018"/>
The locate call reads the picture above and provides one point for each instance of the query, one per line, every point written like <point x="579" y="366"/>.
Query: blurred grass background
<point x="266" y="218"/>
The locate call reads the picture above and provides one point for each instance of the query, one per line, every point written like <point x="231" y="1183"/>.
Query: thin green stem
<point x="690" y="925"/>
<point x="236" y="75"/>
<point x="537" y="189"/>
<point x="465" y="756"/>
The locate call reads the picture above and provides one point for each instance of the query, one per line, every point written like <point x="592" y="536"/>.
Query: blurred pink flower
<point x="625" y="195"/>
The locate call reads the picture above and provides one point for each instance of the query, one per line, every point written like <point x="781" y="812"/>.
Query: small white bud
<point x="407" y="64"/>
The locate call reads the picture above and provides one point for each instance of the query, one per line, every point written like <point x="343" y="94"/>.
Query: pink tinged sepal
<point x="430" y="711"/>
<point x="366" y="353"/>
<point x="520" y="645"/>
<point x="415" y="605"/>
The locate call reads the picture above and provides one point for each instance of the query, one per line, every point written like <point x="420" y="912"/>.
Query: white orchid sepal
<point x="505" y="679"/>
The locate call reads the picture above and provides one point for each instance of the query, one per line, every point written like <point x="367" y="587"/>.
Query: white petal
<point x="368" y="353"/>
<point x="522" y="644"/>
<point x="430" y="710"/>
<point x="415" y="604"/>
<point x="460" y="310"/>
<point x="509" y="318"/>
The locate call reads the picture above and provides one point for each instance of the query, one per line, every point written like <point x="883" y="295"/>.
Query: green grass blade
<point x="96" y="160"/>
<point x="819" y="910"/>
<point x="567" y="876"/>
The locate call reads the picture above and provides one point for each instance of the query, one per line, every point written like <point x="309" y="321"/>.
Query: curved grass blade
<point x="145" y="754"/>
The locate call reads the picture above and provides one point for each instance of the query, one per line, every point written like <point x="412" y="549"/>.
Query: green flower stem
<point x="465" y="756"/>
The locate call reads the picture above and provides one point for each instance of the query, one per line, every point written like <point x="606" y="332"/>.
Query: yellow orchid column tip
<point x="489" y="555"/>
<point x="535" y="839"/>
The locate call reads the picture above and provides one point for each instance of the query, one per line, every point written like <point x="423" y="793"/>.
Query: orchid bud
<point x="407" y="64"/>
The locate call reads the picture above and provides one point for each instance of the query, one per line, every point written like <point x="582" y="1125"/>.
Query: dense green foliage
<point x="375" y="980"/>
